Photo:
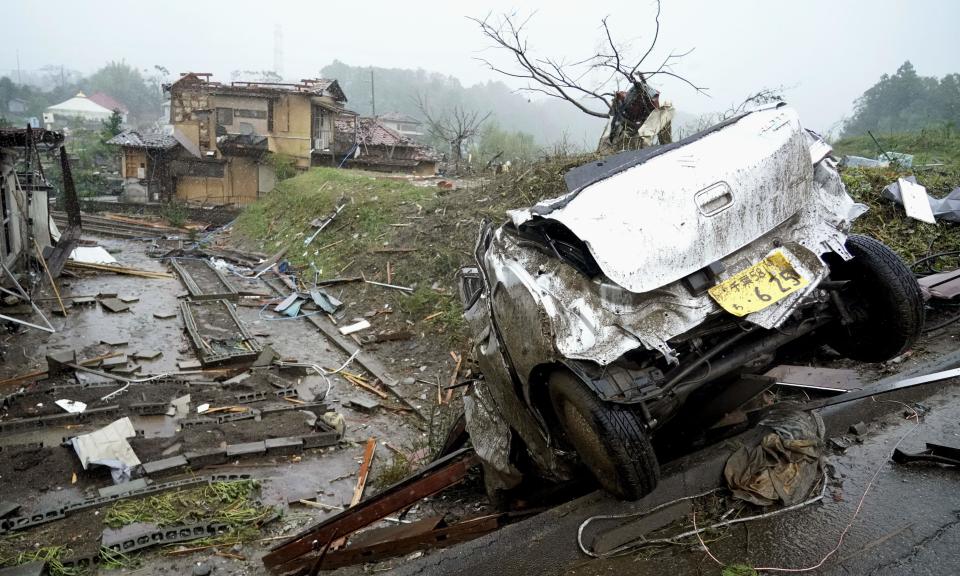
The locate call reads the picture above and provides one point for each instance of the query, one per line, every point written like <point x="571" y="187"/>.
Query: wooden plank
<point x="368" y="452"/>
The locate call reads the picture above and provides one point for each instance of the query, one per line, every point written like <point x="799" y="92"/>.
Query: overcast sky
<point x="826" y="52"/>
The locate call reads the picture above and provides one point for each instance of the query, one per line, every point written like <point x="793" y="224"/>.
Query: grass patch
<point x="399" y="468"/>
<point x="887" y="221"/>
<point x="282" y="218"/>
<point x="52" y="555"/>
<point x="930" y="145"/>
<point x="175" y="213"/>
<point x="227" y="502"/>
<point x="230" y="503"/>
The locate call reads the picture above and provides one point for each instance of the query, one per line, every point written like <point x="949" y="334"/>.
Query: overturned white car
<point x="626" y="311"/>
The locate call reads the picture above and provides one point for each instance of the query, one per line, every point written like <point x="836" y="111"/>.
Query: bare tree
<point x="609" y="67"/>
<point x="455" y="126"/>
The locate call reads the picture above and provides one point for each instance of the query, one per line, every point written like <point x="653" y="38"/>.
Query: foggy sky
<point x="825" y="52"/>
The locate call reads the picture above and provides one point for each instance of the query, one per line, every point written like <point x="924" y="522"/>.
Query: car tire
<point x="883" y="299"/>
<point x="610" y="439"/>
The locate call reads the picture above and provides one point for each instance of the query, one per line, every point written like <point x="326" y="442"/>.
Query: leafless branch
<point x="456" y="126"/>
<point x="568" y="80"/>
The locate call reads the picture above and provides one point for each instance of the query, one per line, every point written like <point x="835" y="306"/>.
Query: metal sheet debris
<point x="92" y="255"/>
<point x="944" y="285"/>
<point x="816" y="378"/>
<point x="71" y="406"/>
<point x="108" y="446"/>
<point x="946" y="208"/>
<point x="915" y="201"/>
<point x="933" y="454"/>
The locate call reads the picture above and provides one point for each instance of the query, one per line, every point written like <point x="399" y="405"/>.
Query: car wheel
<point x="610" y="439"/>
<point x="884" y="302"/>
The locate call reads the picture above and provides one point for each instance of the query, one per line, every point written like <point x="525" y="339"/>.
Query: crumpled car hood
<point x="678" y="211"/>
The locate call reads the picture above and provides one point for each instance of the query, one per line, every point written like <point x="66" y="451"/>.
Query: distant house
<point x="145" y="160"/>
<point x="231" y="131"/>
<point x="383" y="149"/>
<point x="110" y="103"/>
<point x="403" y="124"/>
<point x="77" y="108"/>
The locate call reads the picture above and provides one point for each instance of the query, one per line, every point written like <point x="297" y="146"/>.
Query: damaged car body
<point x="659" y="278"/>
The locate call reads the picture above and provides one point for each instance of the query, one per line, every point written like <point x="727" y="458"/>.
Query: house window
<point x="224" y="116"/>
<point x="269" y="115"/>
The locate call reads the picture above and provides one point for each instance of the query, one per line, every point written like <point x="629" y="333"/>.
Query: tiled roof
<point x="108" y="102"/>
<point x="372" y="132"/>
<point x="134" y="139"/>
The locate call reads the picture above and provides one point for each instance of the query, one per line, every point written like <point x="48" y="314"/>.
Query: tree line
<point x="906" y="102"/>
<point x="139" y="91"/>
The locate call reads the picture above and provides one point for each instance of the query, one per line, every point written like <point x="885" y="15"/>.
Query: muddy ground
<point x="37" y="470"/>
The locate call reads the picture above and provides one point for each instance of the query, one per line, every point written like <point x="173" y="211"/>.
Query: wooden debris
<point x="227" y="409"/>
<point x="164" y="315"/>
<point x="118" y="270"/>
<point x="355" y="327"/>
<point x="395" y="287"/>
<point x="453" y="377"/>
<point x="358" y="381"/>
<point x="38" y="373"/>
<point x="432" y="316"/>
<point x="368" y="453"/>
<point x="53" y="284"/>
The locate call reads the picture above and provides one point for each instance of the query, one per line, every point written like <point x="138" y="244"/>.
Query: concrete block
<point x="246" y="449"/>
<point x="319" y="440"/>
<point x="166" y="464"/>
<point x="116" y="489"/>
<point x="284" y="446"/>
<point x="210" y="457"/>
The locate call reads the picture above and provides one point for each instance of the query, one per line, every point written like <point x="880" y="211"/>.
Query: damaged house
<point x="26" y="229"/>
<point x="228" y="135"/>
<point x="383" y="149"/>
<point x="145" y="165"/>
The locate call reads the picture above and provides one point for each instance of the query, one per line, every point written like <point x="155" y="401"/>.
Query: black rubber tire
<point x="884" y="300"/>
<point x="610" y="439"/>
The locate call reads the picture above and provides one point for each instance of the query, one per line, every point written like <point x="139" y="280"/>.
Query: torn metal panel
<point x="943" y="285"/>
<point x="299" y="551"/>
<point x="203" y="280"/>
<point x="815" y="378"/>
<point x="217" y="333"/>
<point x="934" y="453"/>
<point x="429" y="533"/>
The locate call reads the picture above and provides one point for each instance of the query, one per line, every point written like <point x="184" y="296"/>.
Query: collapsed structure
<point x="378" y="147"/>
<point x="26" y="229"/>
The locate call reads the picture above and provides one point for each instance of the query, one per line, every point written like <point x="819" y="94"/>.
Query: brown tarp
<point x="787" y="465"/>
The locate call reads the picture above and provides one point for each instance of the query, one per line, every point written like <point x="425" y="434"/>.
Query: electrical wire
<point x="856" y="512"/>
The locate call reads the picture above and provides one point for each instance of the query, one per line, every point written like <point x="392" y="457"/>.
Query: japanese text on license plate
<point x="759" y="286"/>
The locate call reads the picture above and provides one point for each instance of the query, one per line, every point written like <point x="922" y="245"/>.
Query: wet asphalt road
<point x="909" y="522"/>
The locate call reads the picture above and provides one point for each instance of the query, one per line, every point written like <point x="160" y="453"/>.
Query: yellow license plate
<point x="765" y="283"/>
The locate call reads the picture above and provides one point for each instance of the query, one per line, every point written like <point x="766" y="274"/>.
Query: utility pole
<point x="373" y="94"/>
<point x="19" y="76"/>
<point x="278" y="50"/>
